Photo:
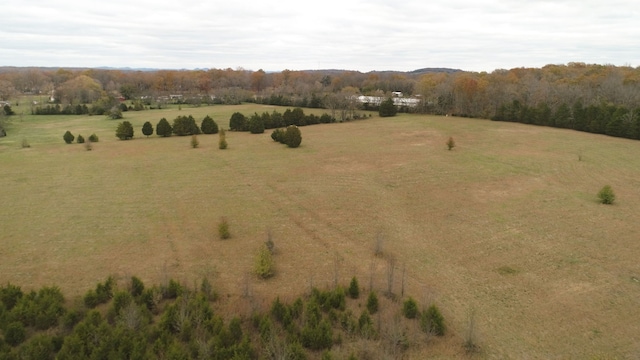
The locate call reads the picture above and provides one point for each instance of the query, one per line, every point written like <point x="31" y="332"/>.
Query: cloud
<point x="348" y="34"/>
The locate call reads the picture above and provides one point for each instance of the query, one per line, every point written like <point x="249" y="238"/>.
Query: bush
<point x="606" y="195"/>
<point x="93" y="138"/>
<point x="372" y="303"/>
<point x="209" y="126"/>
<point x="124" y="131"/>
<point x="278" y="135"/>
<point x="115" y="113"/>
<point x="354" y="288"/>
<point x="264" y="263"/>
<point x="147" y="129"/>
<point x="317" y="337"/>
<point x="194" y="141"/>
<point x="410" y="308"/>
<point x="25" y="144"/>
<point x="432" y="322"/>
<point x="80" y="139"/>
<point x="222" y="141"/>
<point x="68" y="137"/>
<point x="9" y="295"/>
<point x="163" y="128"/>
<point x="15" y="334"/>
<point x="223" y="228"/>
<point x="91" y="299"/>
<point x="137" y="286"/>
<point x="451" y="143"/>
<point x="292" y="136"/>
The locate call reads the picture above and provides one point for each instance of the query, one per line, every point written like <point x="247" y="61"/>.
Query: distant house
<point x="397" y="101"/>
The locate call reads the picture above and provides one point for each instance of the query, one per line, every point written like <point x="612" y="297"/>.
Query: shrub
<point x="25" y="144"/>
<point x="9" y="295"/>
<point x="278" y="135"/>
<point x="222" y="141"/>
<point x="223" y="228"/>
<point x="372" y="303"/>
<point x="90" y="299"/>
<point x="163" y="128"/>
<point x="451" y="143"/>
<point x="317" y="337"/>
<point x="15" y="333"/>
<point x="7" y="110"/>
<point x="410" y="308"/>
<point x="387" y="108"/>
<point x="172" y="290"/>
<point x="147" y="129"/>
<point x="124" y="131"/>
<point x="80" y="139"/>
<point x="432" y="322"/>
<point x="115" y="113"/>
<point x="264" y="263"/>
<point x="137" y="286"/>
<point x="93" y="138"/>
<point x="606" y="195"/>
<point x="68" y="137"/>
<point x="194" y="141"/>
<point x="354" y="289"/>
<point x="209" y="126"/>
<point x="292" y="136"/>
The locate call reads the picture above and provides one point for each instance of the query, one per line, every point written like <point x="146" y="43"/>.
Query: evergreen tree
<point x="68" y="137"/>
<point x="163" y="128"/>
<point x="238" y="122"/>
<point x="292" y="136"/>
<point x="147" y="129"/>
<point x="208" y="126"/>
<point x="354" y="288"/>
<point x="124" y="131"/>
<point x="256" y="125"/>
<point x="387" y="108"/>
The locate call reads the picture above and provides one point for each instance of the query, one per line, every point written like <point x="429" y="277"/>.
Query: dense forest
<point x="587" y="97"/>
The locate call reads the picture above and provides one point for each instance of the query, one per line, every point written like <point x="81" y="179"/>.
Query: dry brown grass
<point x="507" y="222"/>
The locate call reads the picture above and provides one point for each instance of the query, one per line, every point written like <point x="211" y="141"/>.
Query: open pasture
<point x="507" y="223"/>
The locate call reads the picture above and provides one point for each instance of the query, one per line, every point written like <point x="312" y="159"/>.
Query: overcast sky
<point x="474" y="35"/>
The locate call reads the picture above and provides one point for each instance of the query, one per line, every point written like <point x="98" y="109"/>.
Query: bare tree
<point x="391" y="266"/>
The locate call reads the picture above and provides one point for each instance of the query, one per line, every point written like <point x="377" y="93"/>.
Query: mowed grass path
<point x="507" y="223"/>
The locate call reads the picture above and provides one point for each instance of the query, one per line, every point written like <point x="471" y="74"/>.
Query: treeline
<point x="605" y="118"/>
<point x="173" y="321"/>
<point x="257" y="123"/>
<point x="500" y="94"/>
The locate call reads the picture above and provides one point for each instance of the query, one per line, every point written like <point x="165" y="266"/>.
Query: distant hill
<point x="433" y="70"/>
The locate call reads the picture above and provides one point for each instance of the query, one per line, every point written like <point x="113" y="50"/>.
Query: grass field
<point x="507" y="223"/>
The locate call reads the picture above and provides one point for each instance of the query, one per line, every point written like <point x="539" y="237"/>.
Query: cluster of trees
<point x="257" y="123"/>
<point x="291" y="136"/>
<point x="68" y="138"/>
<point x="183" y="125"/>
<point x="174" y="321"/>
